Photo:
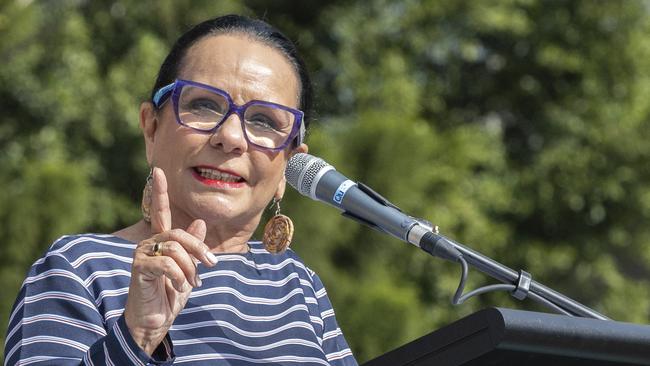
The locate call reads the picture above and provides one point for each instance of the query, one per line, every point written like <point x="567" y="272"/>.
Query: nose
<point x="230" y="136"/>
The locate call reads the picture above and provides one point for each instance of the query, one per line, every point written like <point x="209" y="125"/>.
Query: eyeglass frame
<point x="297" y="131"/>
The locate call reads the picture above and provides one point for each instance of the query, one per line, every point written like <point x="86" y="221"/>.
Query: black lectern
<point x="497" y="336"/>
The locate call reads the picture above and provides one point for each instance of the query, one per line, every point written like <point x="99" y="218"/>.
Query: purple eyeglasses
<point x="203" y="108"/>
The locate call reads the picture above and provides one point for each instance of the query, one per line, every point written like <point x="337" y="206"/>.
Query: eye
<point x="262" y="121"/>
<point x="203" y="105"/>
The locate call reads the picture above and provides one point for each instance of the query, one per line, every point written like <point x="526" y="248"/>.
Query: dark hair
<point x="254" y="28"/>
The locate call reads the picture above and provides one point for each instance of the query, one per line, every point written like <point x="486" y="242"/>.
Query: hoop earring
<point x="278" y="232"/>
<point x="145" y="207"/>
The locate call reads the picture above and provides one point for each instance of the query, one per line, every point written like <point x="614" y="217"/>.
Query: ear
<point x="148" y="125"/>
<point x="282" y="185"/>
<point x="303" y="148"/>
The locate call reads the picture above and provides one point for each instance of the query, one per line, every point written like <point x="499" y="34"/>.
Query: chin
<point x="215" y="211"/>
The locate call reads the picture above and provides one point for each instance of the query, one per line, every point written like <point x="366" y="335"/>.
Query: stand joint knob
<point x="523" y="285"/>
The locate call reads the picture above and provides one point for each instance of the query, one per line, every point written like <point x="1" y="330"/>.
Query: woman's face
<point x="244" y="178"/>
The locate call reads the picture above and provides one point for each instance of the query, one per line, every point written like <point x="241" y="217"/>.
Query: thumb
<point x="198" y="229"/>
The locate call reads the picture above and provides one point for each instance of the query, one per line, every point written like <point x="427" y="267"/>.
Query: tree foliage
<point x="520" y="127"/>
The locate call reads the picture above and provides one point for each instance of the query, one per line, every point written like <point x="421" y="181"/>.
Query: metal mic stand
<point x="519" y="283"/>
<point x="424" y="235"/>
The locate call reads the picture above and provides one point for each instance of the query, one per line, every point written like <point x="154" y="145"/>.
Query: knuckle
<point x="173" y="247"/>
<point x="168" y="247"/>
<point x="167" y="265"/>
<point x="176" y="233"/>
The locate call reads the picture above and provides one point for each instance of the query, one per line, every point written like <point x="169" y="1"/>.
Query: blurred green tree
<point x="72" y="79"/>
<point x="518" y="126"/>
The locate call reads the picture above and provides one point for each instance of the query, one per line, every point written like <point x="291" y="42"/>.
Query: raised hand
<point x="161" y="282"/>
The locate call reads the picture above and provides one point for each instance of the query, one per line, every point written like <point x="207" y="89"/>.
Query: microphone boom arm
<point x="530" y="288"/>
<point x="425" y="236"/>
<point x="318" y="180"/>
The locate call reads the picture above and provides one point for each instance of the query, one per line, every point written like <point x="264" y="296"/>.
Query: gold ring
<point x="157" y="249"/>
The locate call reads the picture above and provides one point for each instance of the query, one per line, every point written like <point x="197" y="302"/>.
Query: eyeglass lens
<point x="264" y="125"/>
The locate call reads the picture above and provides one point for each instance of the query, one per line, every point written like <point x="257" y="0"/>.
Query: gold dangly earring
<point x="145" y="207"/>
<point x="278" y="232"/>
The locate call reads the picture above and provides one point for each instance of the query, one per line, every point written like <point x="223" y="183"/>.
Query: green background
<point x="520" y="127"/>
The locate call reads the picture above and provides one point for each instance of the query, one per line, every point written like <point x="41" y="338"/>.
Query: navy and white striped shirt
<point x="253" y="308"/>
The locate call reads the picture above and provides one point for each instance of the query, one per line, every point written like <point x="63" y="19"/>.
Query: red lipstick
<point x="217" y="183"/>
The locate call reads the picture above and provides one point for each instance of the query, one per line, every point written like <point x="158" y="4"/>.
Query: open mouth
<point x="213" y="175"/>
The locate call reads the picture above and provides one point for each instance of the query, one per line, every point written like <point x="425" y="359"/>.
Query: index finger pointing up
<point x="161" y="217"/>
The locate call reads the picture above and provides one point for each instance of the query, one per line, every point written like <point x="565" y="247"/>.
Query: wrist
<point x="147" y="339"/>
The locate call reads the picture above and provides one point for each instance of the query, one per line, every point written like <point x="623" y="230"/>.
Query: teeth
<point x="217" y="175"/>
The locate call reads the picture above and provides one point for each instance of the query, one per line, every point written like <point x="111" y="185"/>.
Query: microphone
<point x="318" y="180"/>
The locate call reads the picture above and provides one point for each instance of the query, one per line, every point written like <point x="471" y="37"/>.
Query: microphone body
<point x="337" y="190"/>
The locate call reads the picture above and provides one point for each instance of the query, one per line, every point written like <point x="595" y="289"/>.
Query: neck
<point x="222" y="240"/>
<point x="222" y="236"/>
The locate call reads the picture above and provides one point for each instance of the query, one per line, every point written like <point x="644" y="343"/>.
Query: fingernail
<point x="197" y="280"/>
<point x="211" y="257"/>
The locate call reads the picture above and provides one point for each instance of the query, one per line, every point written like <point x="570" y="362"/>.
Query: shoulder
<point x="73" y="247"/>
<point x="287" y="260"/>
<point x="84" y="264"/>
<point x="85" y="253"/>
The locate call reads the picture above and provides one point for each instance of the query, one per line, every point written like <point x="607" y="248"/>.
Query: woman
<point x="185" y="284"/>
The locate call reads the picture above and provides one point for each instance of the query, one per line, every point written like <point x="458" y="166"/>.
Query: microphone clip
<point x="384" y="201"/>
<point x="376" y="196"/>
<point x="379" y="199"/>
